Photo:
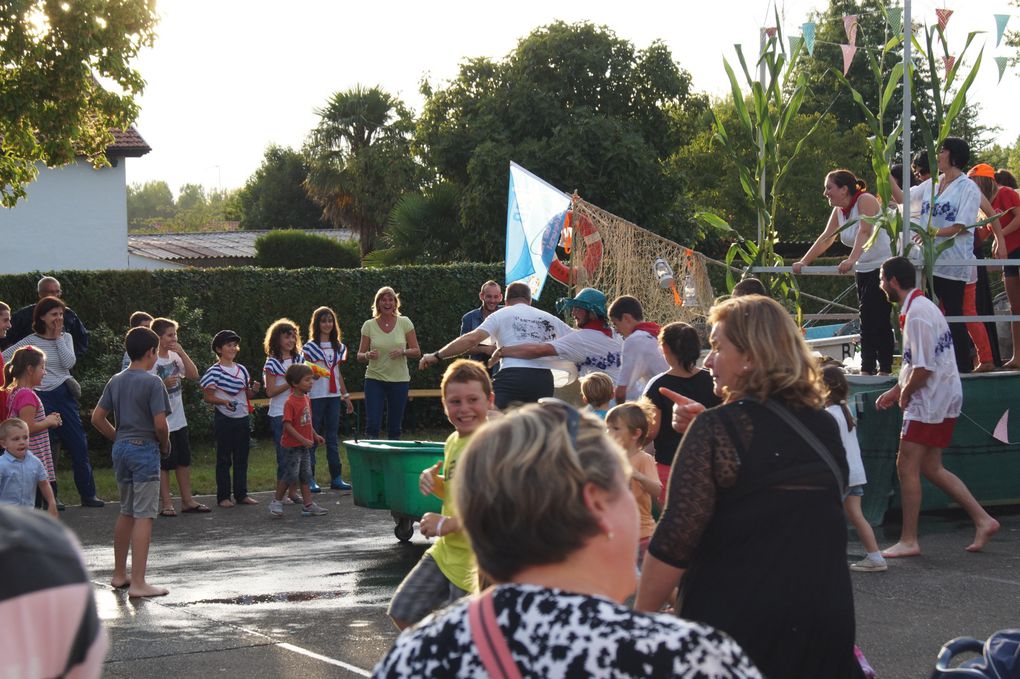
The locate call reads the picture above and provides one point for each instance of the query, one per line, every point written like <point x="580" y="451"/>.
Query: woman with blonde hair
<point x="544" y="498"/>
<point x="753" y="531"/>
<point x="387" y="341"/>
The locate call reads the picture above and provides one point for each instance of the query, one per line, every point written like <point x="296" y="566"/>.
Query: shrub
<point x="296" y="249"/>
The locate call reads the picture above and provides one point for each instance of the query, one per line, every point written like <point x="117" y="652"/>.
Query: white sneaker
<point x="276" y="508"/>
<point x="869" y="565"/>
<point x="313" y="510"/>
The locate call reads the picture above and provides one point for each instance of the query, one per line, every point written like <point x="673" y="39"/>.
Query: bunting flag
<point x="770" y="31"/>
<point x="1002" y="428"/>
<point x="848" y="56"/>
<point x="534" y="219"/>
<point x="850" y="26"/>
<point x="1000" y="25"/>
<point x="795" y="43"/>
<point x="943" y="15"/>
<point x="895" y="20"/>
<point x="808" y="30"/>
<point x="1001" y="63"/>
<point x="948" y="62"/>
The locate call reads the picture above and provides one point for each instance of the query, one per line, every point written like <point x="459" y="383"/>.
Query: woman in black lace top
<point x="753" y="531"/>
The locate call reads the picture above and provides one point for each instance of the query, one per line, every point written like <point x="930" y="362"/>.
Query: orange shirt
<point x="644" y="463"/>
<point x="298" y="411"/>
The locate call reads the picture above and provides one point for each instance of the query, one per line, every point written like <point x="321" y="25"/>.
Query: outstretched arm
<point x="454" y="348"/>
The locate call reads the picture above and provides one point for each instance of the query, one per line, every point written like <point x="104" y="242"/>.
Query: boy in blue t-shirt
<point x="140" y="405"/>
<point x="21" y="472"/>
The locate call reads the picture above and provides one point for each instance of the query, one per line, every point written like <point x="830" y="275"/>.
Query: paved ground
<point x="255" y="597"/>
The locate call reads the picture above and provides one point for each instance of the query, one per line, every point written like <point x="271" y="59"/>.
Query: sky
<point x="226" y="78"/>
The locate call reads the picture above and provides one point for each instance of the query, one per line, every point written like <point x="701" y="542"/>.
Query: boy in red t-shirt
<point x="297" y="440"/>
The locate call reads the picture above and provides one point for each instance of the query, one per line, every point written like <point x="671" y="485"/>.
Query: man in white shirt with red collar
<point x="642" y="358"/>
<point x="930" y="394"/>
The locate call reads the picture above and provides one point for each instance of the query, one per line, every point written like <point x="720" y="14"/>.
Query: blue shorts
<point x="136" y="468"/>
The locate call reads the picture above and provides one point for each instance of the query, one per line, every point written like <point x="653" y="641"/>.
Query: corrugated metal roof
<point x="209" y="245"/>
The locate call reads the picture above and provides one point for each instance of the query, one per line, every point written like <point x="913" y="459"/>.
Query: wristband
<point x="345" y="395"/>
<point x="436" y="354"/>
<point x="439" y="527"/>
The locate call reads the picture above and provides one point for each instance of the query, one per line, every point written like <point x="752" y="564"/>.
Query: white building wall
<point x="73" y="217"/>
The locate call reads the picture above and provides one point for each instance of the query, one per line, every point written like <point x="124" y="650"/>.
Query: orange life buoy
<point x="592" y="254"/>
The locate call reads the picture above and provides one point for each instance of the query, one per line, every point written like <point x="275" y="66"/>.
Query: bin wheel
<point x="404" y="530"/>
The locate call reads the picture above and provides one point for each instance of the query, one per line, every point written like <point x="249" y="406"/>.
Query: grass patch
<point x="261" y="468"/>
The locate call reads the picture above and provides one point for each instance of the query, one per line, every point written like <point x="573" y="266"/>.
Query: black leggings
<point x="232" y="439"/>
<point x="950" y="294"/>
<point x="876" y="328"/>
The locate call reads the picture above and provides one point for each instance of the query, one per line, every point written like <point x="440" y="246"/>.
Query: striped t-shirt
<point x="60" y="358"/>
<point x="276" y="371"/>
<point x="229" y="384"/>
<point x="324" y="355"/>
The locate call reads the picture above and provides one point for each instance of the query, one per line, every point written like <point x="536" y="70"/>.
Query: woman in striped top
<point x="53" y="391"/>
<point x="23" y="374"/>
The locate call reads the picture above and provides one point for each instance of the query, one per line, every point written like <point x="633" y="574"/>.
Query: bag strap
<point x="489" y="639"/>
<point x="784" y="414"/>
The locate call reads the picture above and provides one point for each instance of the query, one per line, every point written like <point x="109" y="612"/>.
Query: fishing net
<point x="627" y="266"/>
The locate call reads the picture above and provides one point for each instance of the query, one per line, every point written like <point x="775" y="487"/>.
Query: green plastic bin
<point x="385" y="476"/>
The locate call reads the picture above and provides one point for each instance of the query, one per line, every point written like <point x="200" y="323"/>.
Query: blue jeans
<point x="71" y="435"/>
<point x="326" y="422"/>
<point x="276" y="426"/>
<point x="394" y="396"/>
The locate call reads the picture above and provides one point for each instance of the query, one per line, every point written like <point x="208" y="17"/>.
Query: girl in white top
<point x="283" y="349"/>
<point x="835" y="405"/>
<point x="325" y="350"/>
<point x="851" y="203"/>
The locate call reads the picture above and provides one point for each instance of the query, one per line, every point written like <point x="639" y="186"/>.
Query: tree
<point x="578" y="106"/>
<point x="274" y="197"/>
<point x="361" y="161"/>
<point x="54" y="108"/>
<point x="148" y="201"/>
<point x="424" y="228"/>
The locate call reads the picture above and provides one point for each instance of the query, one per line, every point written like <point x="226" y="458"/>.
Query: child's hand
<point x="319" y="439"/>
<point x="427" y="479"/>
<point x="171" y="382"/>
<point x="429" y="524"/>
<point x="52" y="420"/>
<point x="254" y="387"/>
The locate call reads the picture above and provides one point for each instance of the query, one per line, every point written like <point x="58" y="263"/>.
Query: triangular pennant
<point x="948" y="62"/>
<point x="795" y="43"/>
<point x="808" y="30"/>
<point x="1001" y="432"/>
<point x="850" y="26"/>
<point x="1001" y="63"/>
<point x="770" y="31"/>
<point x="1000" y="27"/>
<point x="848" y="56"/>
<point x="943" y="15"/>
<point x="895" y="20"/>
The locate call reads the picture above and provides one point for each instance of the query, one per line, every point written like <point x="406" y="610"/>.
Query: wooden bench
<point x="357" y="396"/>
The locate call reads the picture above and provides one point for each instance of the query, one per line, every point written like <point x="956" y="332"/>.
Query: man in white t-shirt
<point x="930" y="395"/>
<point x="519" y="380"/>
<point x="593" y="347"/>
<point x="642" y="359"/>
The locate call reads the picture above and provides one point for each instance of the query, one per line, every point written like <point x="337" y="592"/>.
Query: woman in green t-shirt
<point x="387" y="341"/>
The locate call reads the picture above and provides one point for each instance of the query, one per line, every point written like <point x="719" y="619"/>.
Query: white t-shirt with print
<point x="523" y="324"/>
<point x="642" y="360"/>
<point x="591" y="351"/>
<point x="958" y="204"/>
<point x="172" y="365"/>
<point x="928" y="344"/>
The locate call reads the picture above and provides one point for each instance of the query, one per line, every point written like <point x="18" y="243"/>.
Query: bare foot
<point x="901" y="550"/>
<point x="1011" y="365"/>
<point x="120" y="584"/>
<point x="226" y="504"/>
<point x="983" y="534"/>
<point x="249" y="500"/>
<point x="147" y="590"/>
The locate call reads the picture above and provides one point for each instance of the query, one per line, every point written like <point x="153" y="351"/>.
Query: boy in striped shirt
<point x="228" y="386"/>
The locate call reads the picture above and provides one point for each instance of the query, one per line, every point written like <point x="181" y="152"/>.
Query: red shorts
<point x="936" y="435"/>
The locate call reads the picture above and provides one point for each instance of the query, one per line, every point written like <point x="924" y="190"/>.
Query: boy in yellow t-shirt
<point x="447" y="570"/>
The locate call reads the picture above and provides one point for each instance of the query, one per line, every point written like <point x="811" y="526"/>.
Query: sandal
<point x="198" y="508"/>
<point x="168" y="511"/>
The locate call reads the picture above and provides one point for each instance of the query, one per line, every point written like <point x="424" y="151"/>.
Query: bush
<point x="296" y="249"/>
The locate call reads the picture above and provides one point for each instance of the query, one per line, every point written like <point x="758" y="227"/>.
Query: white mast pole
<point x="908" y="36"/>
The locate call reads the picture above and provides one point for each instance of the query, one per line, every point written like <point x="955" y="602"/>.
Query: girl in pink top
<point x="22" y="375"/>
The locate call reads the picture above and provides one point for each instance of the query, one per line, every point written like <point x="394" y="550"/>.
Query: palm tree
<point x="360" y="160"/>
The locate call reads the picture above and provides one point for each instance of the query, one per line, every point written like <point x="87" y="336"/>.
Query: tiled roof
<point x="210" y="245"/>
<point x="127" y="143"/>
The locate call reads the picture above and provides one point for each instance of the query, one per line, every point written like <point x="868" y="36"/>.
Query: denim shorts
<point x="297" y="466"/>
<point x="857" y="491"/>
<point x="136" y="468"/>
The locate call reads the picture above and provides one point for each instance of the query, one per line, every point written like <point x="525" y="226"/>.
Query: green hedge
<point x="296" y="249"/>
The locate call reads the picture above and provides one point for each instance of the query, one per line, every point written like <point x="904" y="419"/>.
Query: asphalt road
<point x="257" y="597"/>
